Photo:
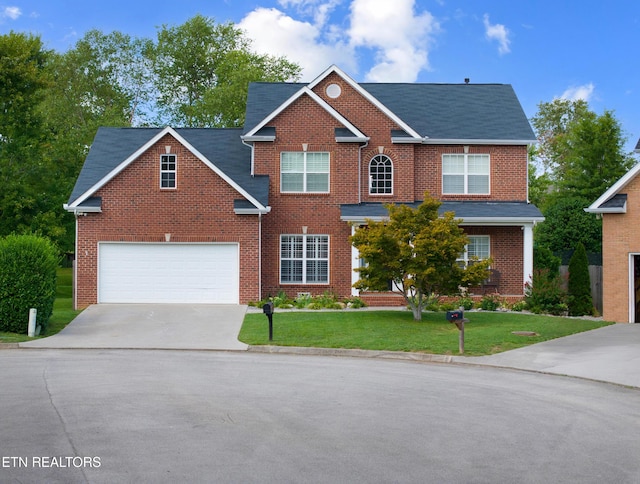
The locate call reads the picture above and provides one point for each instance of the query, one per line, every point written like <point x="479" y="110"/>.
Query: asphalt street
<point x="109" y="415"/>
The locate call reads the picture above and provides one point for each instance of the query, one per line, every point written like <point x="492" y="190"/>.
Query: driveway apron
<point x="151" y="326"/>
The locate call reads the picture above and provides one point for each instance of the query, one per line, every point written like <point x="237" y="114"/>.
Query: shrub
<point x="490" y="302"/>
<point x="544" y="295"/>
<point x="579" y="298"/>
<point x="465" y="302"/>
<point x="354" y="302"/>
<point x="519" y="306"/>
<point x="28" y="266"/>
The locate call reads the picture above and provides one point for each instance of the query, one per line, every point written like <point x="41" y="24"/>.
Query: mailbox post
<point x="457" y="317"/>
<point x="267" y="309"/>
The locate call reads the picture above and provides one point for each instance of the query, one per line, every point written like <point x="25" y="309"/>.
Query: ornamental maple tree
<point x="417" y="250"/>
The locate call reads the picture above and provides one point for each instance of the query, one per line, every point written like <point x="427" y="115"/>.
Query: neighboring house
<point x="619" y="208"/>
<point x="234" y="215"/>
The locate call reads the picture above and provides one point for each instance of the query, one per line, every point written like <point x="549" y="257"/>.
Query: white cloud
<point x="275" y="33"/>
<point x="398" y="35"/>
<point x="10" y="12"/>
<point x="499" y="33"/>
<point x="574" y="93"/>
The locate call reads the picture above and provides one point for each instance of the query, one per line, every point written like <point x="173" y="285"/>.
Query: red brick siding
<point x="619" y="240"/>
<point x="416" y="168"/>
<point x="135" y="209"/>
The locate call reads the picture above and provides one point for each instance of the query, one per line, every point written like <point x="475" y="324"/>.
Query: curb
<point x="9" y="346"/>
<point x="392" y="355"/>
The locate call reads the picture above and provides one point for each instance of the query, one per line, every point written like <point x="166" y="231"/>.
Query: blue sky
<point x="545" y="49"/>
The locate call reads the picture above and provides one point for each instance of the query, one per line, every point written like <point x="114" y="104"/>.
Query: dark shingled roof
<point x="438" y="111"/>
<point x="617" y="201"/>
<point x="222" y="147"/>
<point x="463" y="210"/>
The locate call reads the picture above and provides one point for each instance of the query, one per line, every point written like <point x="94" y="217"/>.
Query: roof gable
<point x="321" y="102"/>
<point x="114" y="149"/>
<point x="606" y="203"/>
<point x="254" y="123"/>
<point x="430" y="113"/>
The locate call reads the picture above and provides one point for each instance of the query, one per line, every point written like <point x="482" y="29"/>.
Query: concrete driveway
<point x="151" y="326"/>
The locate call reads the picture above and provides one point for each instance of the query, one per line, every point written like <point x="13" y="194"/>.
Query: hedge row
<point x="28" y="266"/>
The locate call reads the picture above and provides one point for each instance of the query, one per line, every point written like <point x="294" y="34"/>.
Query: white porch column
<point x="527" y="256"/>
<point x="355" y="263"/>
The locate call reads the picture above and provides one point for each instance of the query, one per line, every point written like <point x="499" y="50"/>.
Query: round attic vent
<point x="333" y="91"/>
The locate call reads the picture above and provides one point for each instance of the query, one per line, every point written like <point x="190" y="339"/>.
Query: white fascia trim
<point x="446" y="141"/>
<point x="145" y="147"/>
<point x="335" y="69"/>
<point x="250" y="139"/>
<point x="346" y="139"/>
<point x="81" y="210"/>
<point x="607" y="210"/>
<point x="617" y="186"/>
<point x="251" y="211"/>
<point x="305" y="90"/>
<point x="469" y="221"/>
<point x="498" y="221"/>
<point x="404" y="140"/>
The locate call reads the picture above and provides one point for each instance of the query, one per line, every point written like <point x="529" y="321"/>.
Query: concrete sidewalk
<point x="610" y="354"/>
<point x="151" y="326"/>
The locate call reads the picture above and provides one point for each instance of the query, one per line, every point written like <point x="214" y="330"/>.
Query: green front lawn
<point x="486" y="333"/>
<point x="63" y="312"/>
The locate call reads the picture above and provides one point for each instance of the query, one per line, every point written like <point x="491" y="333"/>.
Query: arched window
<point x="381" y="175"/>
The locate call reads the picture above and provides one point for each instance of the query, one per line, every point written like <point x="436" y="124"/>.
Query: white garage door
<point x="168" y="273"/>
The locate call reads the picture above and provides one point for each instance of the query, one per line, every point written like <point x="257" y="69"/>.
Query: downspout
<point x="360" y="171"/>
<point x="260" y="256"/>
<point x="252" y="154"/>
<point x="75" y="268"/>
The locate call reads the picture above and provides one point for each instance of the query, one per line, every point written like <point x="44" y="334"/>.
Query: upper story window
<point x="478" y="248"/>
<point x="381" y="175"/>
<point x="168" y="171"/>
<point x="304" y="259"/>
<point x="465" y="174"/>
<point x="304" y="172"/>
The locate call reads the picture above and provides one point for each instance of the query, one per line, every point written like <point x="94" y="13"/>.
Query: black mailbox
<point x="453" y="316"/>
<point x="267" y="308"/>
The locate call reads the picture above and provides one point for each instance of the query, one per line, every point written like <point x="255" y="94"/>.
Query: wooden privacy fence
<point x="595" y="274"/>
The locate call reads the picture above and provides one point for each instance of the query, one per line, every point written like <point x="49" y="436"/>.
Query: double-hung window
<point x="304" y="259"/>
<point x="477" y="249"/>
<point x="168" y="169"/>
<point x="304" y="172"/>
<point x="465" y="174"/>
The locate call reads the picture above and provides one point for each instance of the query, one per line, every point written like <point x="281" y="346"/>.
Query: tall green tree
<point x="579" y="297"/>
<point x="595" y="159"/>
<point x="101" y="81"/>
<point x="23" y="81"/>
<point x="579" y="156"/>
<point x="417" y="250"/>
<point x="202" y="71"/>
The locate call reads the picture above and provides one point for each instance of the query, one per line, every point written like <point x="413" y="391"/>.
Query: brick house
<point x="619" y="207"/>
<point x="234" y="215"/>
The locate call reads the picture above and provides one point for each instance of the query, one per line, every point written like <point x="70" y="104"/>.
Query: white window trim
<point x="371" y="176"/>
<point x="175" y="171"/>
<point x="465" y="259"/>
<point x="466" y="174"/>
<point x="305" y="173"/>
<point x="304" y="260"/>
